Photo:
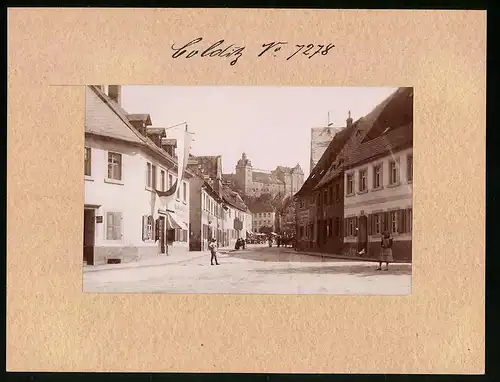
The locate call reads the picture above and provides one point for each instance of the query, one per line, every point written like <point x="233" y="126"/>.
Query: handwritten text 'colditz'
<point x="272" y="49"/>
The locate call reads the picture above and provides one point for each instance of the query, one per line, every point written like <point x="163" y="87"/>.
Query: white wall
<point x="130" y="196"/>
<point x="386" y="198"/>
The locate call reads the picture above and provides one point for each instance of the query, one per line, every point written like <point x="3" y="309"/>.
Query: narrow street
<point x="256" y="270"/>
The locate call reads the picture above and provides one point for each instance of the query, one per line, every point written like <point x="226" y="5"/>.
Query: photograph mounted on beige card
<point x="244" y="190"/>
<point x="279" y="186"/>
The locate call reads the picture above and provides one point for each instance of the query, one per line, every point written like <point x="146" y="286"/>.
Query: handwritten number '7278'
<point x="310" y="47"/>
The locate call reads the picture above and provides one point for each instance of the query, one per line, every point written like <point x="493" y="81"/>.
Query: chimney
<point x="349" y="120"/>
<point x="115" y="93"/>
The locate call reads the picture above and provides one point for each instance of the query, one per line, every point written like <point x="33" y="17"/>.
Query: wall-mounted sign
<point x="98" y="219"/>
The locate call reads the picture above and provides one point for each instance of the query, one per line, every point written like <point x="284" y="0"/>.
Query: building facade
<point x="378" y="197"/>
<point x="220" y="211"/>
<point x="328" y="209"/>
<point x="263" y="218"/>
<point x="254" y="183"/>
<point x="124" y="219"/>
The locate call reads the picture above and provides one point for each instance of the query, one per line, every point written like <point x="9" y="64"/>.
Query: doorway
<point x="363" y="234"/>
<point x="88" y="236"/>
<point x="161" y="234"/>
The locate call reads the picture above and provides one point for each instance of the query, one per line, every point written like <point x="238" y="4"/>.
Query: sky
<point x="271" y="124"/>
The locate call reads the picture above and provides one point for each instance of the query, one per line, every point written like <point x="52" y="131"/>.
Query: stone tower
<point x="244" y="173"/>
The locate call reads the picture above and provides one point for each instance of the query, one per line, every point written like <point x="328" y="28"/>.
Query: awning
<point x="174" y="221"/>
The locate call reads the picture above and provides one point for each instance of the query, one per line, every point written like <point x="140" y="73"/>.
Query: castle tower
<point x="244" y="173"/>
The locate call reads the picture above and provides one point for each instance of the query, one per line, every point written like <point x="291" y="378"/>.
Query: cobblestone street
<point x="256" y="270"/>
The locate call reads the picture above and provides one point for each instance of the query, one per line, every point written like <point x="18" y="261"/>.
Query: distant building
<point x="252" y="182"/>
<point x="263" y="217"/>
<point x="217" y="211"/>
<point x="321" y="138"/>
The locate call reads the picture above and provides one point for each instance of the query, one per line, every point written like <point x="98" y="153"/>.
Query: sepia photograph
<point x="248" y="190"/>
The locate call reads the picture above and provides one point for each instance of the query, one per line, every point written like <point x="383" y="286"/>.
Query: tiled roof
<point x="156" y="130"/>
<point x="260" y="206"/>
<point x="233" y="198"/>
<point x="262" y="177"/>
<point x="118" y="130"/>
<point x="384" y="144"/>
<point x="122" y="114"/>
<point x="399" y="112"/>
<point x="390" y="106"/>
<point x="209" y="164"/>
<point x="139" y="117"/>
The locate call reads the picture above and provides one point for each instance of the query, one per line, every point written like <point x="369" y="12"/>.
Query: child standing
<point x="213" y="251"/>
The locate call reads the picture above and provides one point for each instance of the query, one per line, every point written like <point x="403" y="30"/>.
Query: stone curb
<point x="341" y="257"/>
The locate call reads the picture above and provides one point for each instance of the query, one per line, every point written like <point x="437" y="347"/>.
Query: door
<point x="363" y="233"/>
<point x="88" y="236"/>
<point x="161" y="233"/>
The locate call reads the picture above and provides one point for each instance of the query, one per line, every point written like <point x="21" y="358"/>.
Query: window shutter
<point x="144" y="227"/>
<point x="369" y="224"/>
<point x="401" y="215"/>
<point x="120" y="219"/>
<point x="345" y="227"/>
<point x="155" y="231"/>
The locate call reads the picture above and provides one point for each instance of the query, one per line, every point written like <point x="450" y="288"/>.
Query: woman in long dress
<point x="386" y="251"/>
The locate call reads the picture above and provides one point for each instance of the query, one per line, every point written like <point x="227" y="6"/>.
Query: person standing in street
<point x="213" y="252"/>
<point x="386" y="251"/>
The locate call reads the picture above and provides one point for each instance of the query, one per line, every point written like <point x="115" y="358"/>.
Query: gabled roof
<point x="387" y="108"/>
<point x="142" y="140"/>
<point x="384" y="144"/>
<point x="233" y="198"/>
<point x="146" y="118"/>
<point x="119" y="130"/>
<point x="209" y="164"/>
<point x="156" y="130"/>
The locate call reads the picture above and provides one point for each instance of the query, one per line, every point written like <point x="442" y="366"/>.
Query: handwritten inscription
<point x="309" y="50"/>
<point x="215" y="50"/>
<point x="221" y="49"/>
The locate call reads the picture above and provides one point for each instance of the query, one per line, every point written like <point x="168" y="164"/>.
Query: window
<point x="325" y="196"/>
<point x="88" y="161"/>
<point x="393" y="172"/>
<point x="350" y="184"/>
<point x="337" y="192"/>
<point x="147" y="227"/>
<point x="178" y="195"/>
<point x="377" y="223"/>
<point x="153" y="171"/>
<point x="113" y="225"/>
<point x="362" y="180"/>
<point x="394" y="221"/>
<point x="184" y="192"/>
<point x="148" y="174"/>
<point x="162" y="180"/>
<point x="114" y="166"/>
<point x="377" y="176"/>
<point x="170" y="181"/>
<point x="409" y="168"/>
<point x="351" y="226"/>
